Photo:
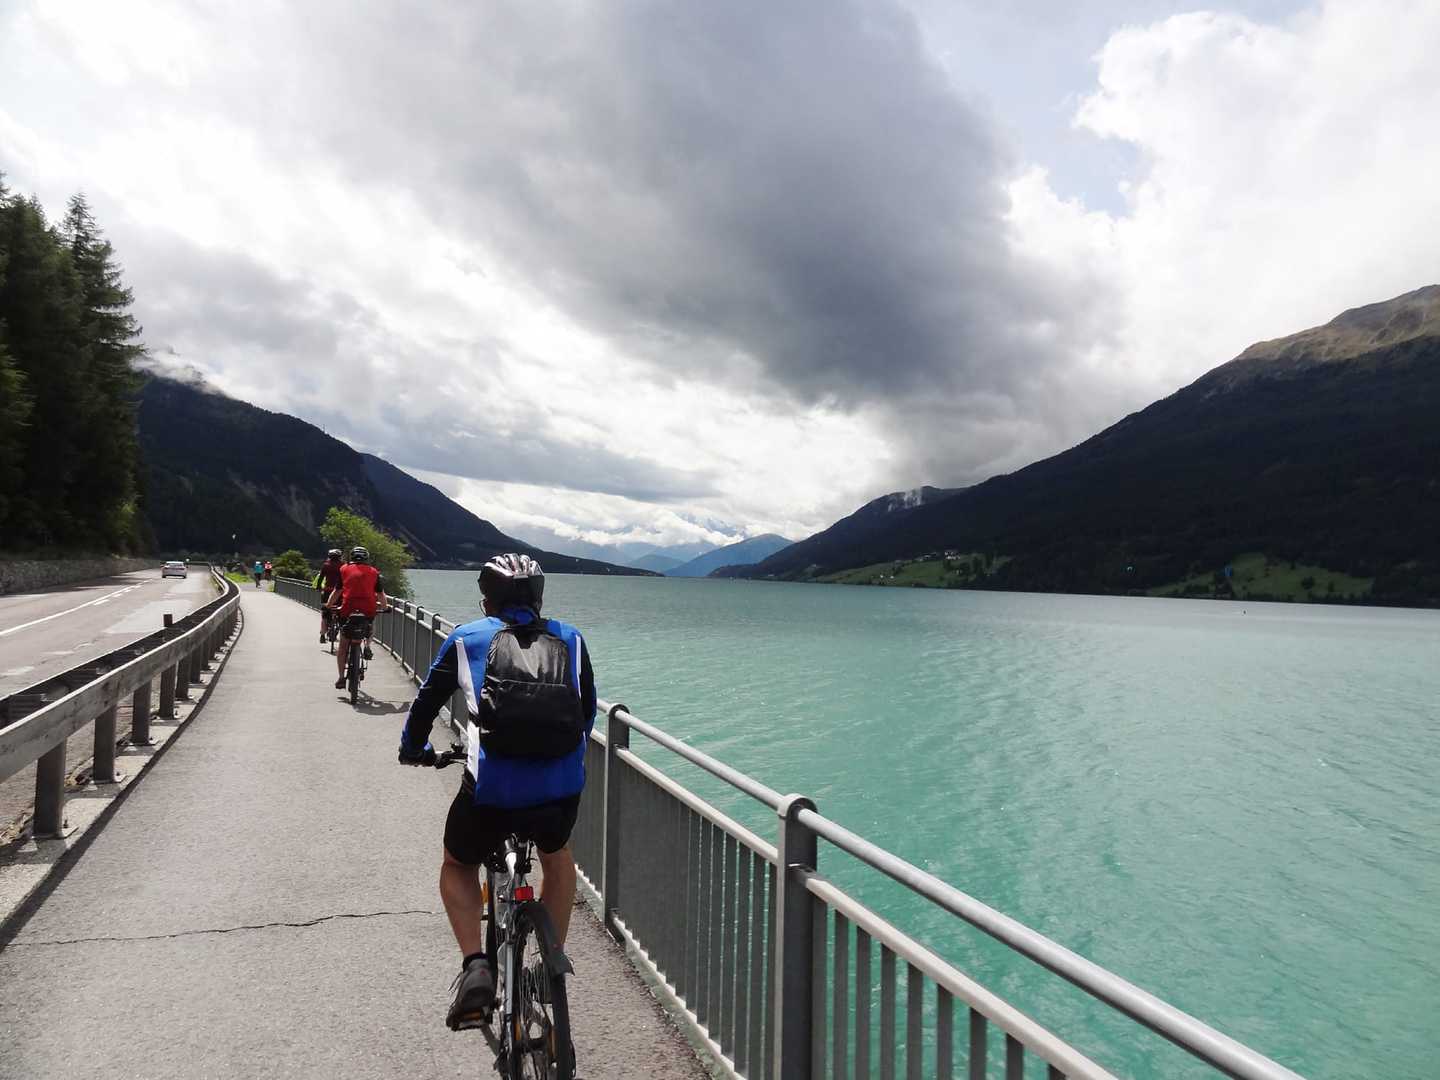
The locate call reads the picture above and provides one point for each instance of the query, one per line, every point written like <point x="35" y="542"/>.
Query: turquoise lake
<point x="1233" y="805"/>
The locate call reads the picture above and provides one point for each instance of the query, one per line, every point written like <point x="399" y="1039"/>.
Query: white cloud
<point x="1286" y="173"/>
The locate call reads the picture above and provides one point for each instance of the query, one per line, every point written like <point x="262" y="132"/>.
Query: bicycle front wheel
<point x="540" y="1046"/>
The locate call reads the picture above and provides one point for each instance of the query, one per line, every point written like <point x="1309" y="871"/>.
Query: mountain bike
<point x="533" y="1032"/>
<point x="332" y="628"/>
<point x="357" y="629"/>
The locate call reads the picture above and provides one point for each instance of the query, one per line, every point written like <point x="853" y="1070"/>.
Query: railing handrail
<point x="732" y="776"/>
<point x="1179" y="1027"/>
<point x="1187" y="1032"/>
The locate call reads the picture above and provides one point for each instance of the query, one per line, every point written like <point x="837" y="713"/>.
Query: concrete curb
<point x="30" y="869"/>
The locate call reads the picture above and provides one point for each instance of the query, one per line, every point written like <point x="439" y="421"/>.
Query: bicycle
<point x="534" y="1021"/>
<point x="357" y="629"/>
<point x="332" y="628"/>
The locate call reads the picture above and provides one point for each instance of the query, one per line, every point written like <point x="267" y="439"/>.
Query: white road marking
<point x="77" y="607"/>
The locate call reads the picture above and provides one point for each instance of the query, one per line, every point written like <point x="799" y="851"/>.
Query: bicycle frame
<point x="508" y="890"/>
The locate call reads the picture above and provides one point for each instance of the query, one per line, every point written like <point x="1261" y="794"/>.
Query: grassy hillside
<point x="1257" y="576"/>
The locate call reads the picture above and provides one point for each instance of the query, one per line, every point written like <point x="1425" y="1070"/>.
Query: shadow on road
<point x="371" y="707"/>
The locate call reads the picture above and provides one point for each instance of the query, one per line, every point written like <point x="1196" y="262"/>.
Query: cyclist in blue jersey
<point x="530" y="693"/>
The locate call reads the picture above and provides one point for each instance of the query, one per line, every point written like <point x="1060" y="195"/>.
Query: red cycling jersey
<point x="358" y="585"/>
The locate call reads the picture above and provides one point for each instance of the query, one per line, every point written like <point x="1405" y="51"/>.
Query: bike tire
<point x="352" y="673"/>
<point x="539" y="1039"/>
<point x="490" y="915"/>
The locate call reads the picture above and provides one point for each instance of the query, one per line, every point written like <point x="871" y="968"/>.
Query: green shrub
<point x="343" y="529"/>
<point x="292" y="564"/>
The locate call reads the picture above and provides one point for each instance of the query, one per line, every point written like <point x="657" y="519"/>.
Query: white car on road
<point x="174" y="568"/>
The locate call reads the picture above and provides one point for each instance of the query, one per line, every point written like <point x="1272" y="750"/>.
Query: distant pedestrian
<point x="269" y="571"/>
<point x="259" y="571"/>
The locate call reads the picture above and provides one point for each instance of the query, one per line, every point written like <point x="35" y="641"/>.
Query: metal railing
<point x="776" y="968"/>
<point x="37" y="722"/>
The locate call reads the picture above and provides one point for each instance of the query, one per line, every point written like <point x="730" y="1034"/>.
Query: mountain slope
<point x="661" y="564"/>
<point x="1321" y="448"/>
<point x="741" y="553"/>
<point x="217" y="468"/>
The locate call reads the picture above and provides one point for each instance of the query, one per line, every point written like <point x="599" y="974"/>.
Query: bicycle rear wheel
<point x="540" y="1046"/>
<point x="352" y="670"/>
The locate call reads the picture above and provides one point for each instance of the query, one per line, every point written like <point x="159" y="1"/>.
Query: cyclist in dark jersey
<point x="533" y="791"/>
<point x="326" y="582"/>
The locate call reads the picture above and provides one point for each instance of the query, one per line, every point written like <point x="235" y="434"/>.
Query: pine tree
<point x="40" y="309"/>
<point x="68" y="457"/>
<point x="106" y="488"/>
<point x="15" y="404"/>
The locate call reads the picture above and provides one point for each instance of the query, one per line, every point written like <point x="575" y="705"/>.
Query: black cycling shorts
<point x="474" y="833"/>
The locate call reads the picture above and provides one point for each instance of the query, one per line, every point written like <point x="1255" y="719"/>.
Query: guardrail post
<point x="50" y="793"/>
<point x="103" y="771"/>
<point x="140" y="716"/>
<point x="794" y="944"/>
<point x="436" y="637"/>
<point x="617" y="737"/>
<point x="167" y="693"/>
<point x="182" y="678"/>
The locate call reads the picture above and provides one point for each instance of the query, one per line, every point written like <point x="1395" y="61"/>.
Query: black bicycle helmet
<point x="513" y="581"/>
<point x="359" y="554"/>
<point x="333" y="553"/>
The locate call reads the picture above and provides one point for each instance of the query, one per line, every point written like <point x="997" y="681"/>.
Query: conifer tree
<point x="106" y="488"/>
<point x="68" y="457"/>
<point x="15" y="406"/>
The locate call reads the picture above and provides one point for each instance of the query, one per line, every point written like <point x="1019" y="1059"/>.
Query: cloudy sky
<point x="636" y="270"/>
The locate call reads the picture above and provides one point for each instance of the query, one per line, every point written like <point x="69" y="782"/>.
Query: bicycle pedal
<point x="473" y="1021"/>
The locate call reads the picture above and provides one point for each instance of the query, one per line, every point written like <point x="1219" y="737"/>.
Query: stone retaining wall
<point x="27" y="575"/>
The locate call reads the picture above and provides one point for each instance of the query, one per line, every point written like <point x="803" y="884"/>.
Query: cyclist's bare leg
<point x="464" y="905"/>
<point x="340" y="654"/>
<point x="557" y="891"/>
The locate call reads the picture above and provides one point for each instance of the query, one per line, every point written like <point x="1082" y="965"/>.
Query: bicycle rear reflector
<point x="525" y="892"/>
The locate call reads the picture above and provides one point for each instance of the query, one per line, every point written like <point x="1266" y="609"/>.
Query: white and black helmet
<point x="359" y="554"/>
<point x="512" y="580"/>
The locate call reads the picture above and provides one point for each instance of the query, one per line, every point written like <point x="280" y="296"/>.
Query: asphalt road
<point x="264" y="904"/>
<point x="45" y="632"/>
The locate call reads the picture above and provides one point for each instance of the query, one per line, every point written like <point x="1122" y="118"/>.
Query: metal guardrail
<point x="38" y="720"/>
<point x="777" y="971"/>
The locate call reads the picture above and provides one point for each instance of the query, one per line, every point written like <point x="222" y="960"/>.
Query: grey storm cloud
<point x="787" y="198"/>
<point x="793" y="191"/>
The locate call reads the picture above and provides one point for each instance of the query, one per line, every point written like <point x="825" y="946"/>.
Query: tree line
<point x="68" y="346"/>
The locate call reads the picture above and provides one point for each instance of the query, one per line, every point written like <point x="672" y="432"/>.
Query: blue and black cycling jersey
<point x="505" y="782"/>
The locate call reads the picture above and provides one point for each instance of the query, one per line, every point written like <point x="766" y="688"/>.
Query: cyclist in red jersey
<point x="361" y="591"/>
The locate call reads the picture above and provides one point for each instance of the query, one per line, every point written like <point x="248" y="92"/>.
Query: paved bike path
<point x="264" y="904"/>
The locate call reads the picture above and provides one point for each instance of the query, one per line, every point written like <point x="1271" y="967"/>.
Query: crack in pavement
<point x="224" y="929"/>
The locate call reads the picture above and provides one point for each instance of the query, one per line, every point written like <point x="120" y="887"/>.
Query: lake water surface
<point x="1234" y="806"/>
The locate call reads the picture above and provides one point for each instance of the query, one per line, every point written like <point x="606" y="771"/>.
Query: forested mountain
<point x="67" y="342"/>
<point x="740" y="553"/>
<point x="218" y="468"/>
<point x="1322" y="448"/>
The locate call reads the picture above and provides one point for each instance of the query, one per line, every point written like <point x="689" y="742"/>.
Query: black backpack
<point x="528" y="708"/>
